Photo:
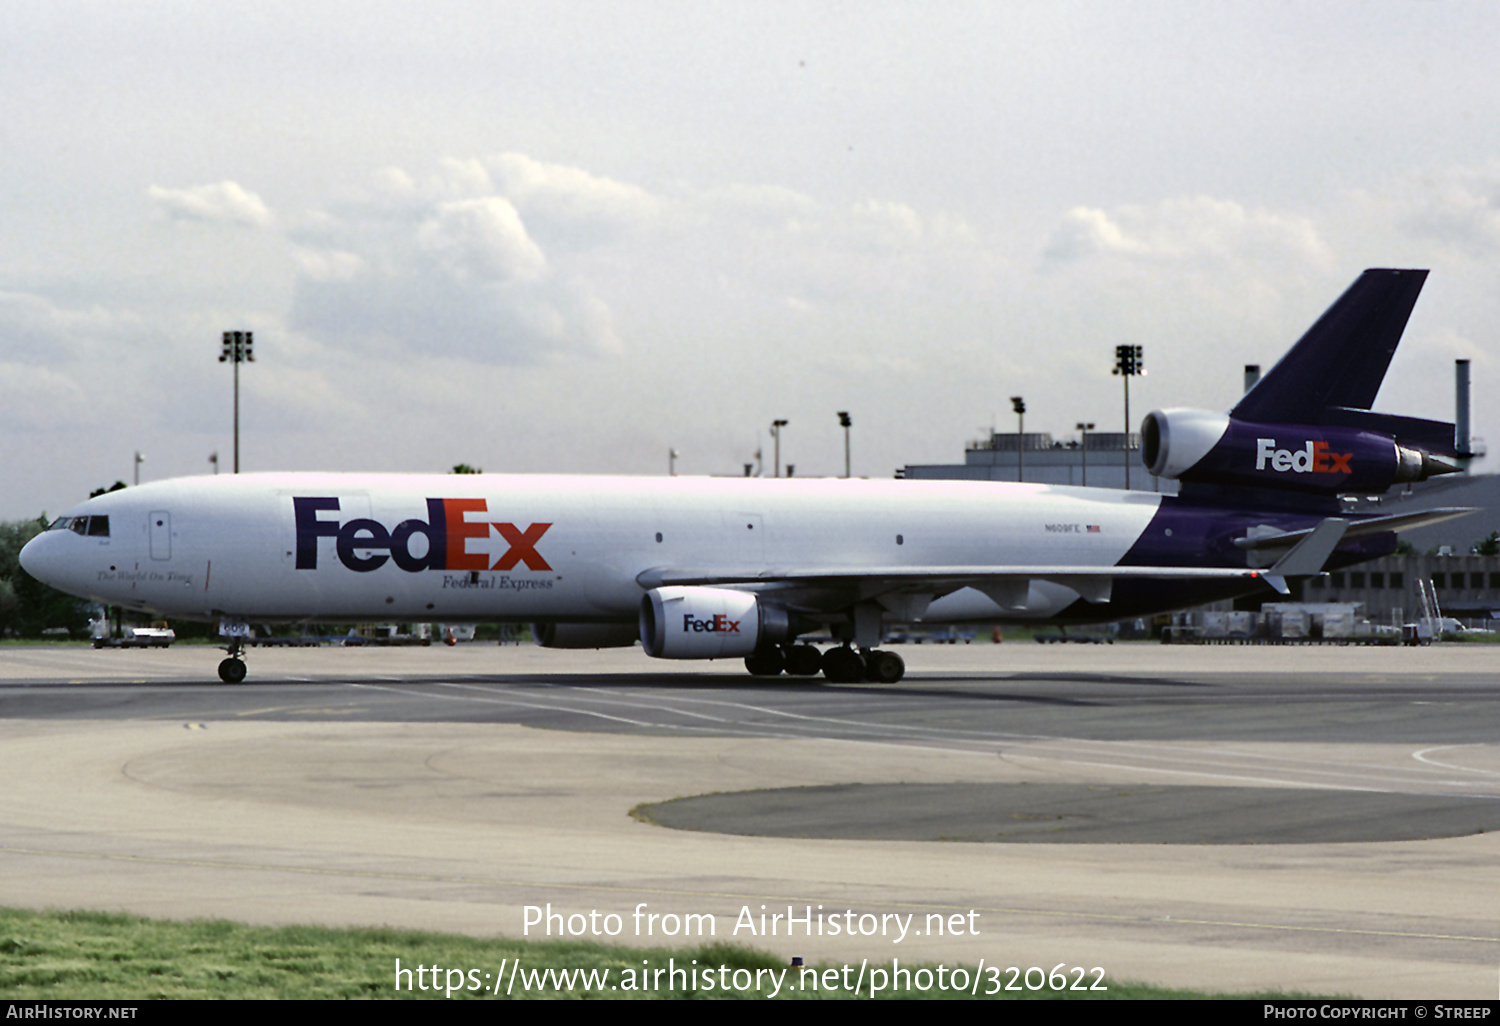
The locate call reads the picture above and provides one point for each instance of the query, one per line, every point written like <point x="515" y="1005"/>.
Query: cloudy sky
<point x="572" y="236"/>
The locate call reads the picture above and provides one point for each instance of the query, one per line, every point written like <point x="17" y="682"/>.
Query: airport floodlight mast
<point x="139" y="459"/>
<point x="776" y="426"/>
<point x="845" y="422"/>
<point x="672" y="462"/>
<point x="1019" y="405"/>
<point x="1128" y="363"/>
<point x="238" y="349"/>
<point x="1083" y="450"/>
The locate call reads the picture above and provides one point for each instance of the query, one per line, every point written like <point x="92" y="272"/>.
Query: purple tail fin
<point x="1331" y="376"/>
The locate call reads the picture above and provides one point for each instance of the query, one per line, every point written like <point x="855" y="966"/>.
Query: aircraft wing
<point x="662" y="576"/>
<point x="1008" y="584"/>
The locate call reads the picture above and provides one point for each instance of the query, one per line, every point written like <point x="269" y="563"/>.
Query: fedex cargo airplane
<point x="709" y="568"/>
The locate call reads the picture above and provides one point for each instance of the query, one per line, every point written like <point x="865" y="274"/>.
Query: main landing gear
<point x="842" y="665"/>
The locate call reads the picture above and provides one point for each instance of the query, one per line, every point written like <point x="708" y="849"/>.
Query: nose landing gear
<point x="232" y="669"/>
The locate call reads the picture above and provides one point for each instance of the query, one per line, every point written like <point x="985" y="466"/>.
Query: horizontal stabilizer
<point x="1361" y="528"/>
<point x="1433" y="436"/>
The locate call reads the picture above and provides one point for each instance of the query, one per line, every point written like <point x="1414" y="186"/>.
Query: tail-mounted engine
<point x="1212" y="448"/>
<point x="708" y="623"/>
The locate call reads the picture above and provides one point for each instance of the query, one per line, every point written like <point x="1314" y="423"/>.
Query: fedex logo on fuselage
<point x="363" y="544"/>
<point x="1312" y="459"/>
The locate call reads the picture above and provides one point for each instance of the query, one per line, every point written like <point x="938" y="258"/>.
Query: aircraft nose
<point x="39" y="558"/>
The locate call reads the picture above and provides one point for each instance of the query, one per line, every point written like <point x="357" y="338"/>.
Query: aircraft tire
<point x="803" y="661"/>
<point x="843" y="666"/>
<point x="232" y="671"/>
<point x="768" y="662"/>
<point x="884" y="667"/>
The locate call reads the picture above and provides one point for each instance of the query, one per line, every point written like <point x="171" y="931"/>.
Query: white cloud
<point x="563" y="191"/>
<point x="39" y="399"/>
<point x="220" y="203"/>
<point x="327" y="265"/>
<point x="410" y="268"/>
<point x="567" y="206"/>
<point x="481" y="239"/>
<point x="1086" y="231"/>
<point x="34" y="330"/>
<point x="771" y="206"/>
<point x="1184" y="229"/>
<point x="393" y="181"/>
<point x="1457" y="207"/>
<point x="896" y="223"/>
<point x="461" y="179"/>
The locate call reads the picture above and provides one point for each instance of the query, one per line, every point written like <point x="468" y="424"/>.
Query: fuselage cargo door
<point x="161" y="534"/>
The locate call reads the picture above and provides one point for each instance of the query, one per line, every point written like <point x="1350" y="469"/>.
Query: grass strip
<point x="103" y="956"/>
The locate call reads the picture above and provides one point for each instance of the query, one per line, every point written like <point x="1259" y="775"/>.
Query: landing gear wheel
<point x="843" y="666"/>
<point x="884" y="667"/>
<point x="768" y="662"/>
<point x="803" y="661"/>
<point x="232" y="670"/>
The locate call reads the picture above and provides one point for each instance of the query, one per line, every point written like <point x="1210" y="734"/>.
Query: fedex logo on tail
<point x="363" y="544"/>
<point x="1312" y="459"/>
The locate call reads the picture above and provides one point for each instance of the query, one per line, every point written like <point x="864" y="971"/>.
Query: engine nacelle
<point x="1212" y="448"/>
<point x="584" y="635"/>
<point x="1175" y="441"/>
<point x="709" y="623"/>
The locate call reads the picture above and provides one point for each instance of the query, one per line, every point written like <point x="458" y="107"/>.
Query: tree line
<point x="27" y="606"/>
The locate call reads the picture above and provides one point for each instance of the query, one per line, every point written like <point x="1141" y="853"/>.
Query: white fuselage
<point x="552" y="548"/>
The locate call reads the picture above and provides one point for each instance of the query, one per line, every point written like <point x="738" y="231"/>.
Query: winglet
<point x="1308" y="555"/>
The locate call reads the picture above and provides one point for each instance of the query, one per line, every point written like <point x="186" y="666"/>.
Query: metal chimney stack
<point x="1461" y="439"/>
<point x="1252" y="375"/>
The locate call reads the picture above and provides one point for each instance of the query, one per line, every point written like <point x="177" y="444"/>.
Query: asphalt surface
<point x="1317" y="819"/>
<point x="1080" y="814"/>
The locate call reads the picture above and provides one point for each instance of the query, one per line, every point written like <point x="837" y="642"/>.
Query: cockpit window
<point x="97" y="527"/>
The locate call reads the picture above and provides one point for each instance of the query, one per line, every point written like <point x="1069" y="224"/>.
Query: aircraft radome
<point x="708" y="568"/>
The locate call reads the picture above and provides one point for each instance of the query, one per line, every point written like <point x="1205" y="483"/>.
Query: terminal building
<point x="1095" y="459"/>
<point x="1465" y="587"/>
